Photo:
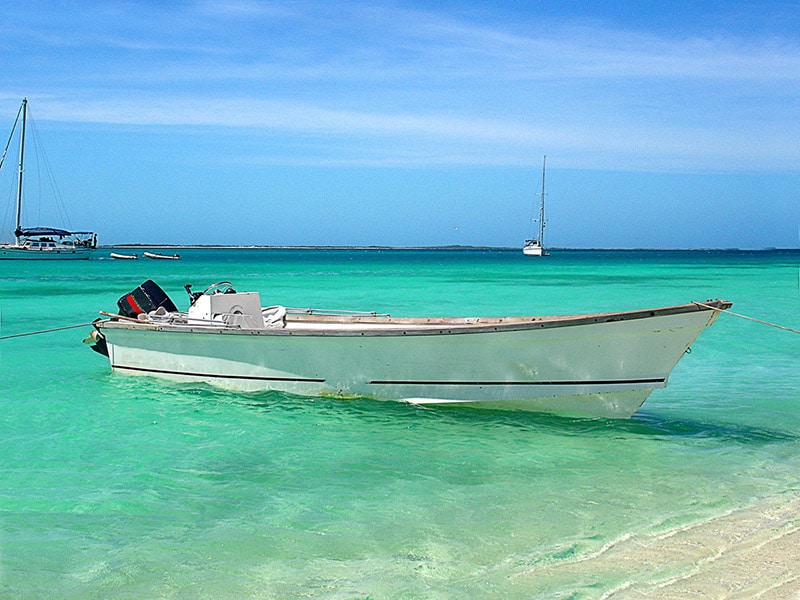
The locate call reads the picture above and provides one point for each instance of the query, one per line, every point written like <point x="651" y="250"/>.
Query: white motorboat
<point x="40" y="243"/>
<point x="535" y="246"/>
<point x="158" y="256"/>
<point x="119" y="256"/>
<point x="592" y="365"/>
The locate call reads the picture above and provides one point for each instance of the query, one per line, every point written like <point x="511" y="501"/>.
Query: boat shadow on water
<point x="643" y="425"/>
<point x="371" y="411"/>
<point x="692" y="429"/>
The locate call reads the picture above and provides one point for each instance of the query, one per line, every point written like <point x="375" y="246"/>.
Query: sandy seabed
<point x="752" y="552"/>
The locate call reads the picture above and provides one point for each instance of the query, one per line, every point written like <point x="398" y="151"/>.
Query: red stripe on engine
<point x="134" y="305"/>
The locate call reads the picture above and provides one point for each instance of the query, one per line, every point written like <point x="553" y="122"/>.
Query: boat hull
<point x="596" y="365"/>
<point x="15" y="253"/>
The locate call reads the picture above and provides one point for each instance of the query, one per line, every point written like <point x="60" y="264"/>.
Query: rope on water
<point x="733" y="314"/>
<point x="16" y="335"/>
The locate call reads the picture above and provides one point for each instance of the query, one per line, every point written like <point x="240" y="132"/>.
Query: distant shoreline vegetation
<point x="422" y="248"/>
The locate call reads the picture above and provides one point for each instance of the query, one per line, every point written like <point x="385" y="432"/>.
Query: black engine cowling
<point x="145" y="298"/>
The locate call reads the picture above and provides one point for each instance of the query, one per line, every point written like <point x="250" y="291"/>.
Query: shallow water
<point x="130" y="487"/>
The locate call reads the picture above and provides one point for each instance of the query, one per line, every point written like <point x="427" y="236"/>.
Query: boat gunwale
<point x="301" y="325"/>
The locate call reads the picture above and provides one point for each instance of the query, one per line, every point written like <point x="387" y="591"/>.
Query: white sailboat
<point x="37" y="243"/>
<point x="535" y="247"/>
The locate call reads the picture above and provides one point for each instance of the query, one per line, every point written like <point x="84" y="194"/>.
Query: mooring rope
<point x="16" y="335"/>
<point x="733" y="314"/>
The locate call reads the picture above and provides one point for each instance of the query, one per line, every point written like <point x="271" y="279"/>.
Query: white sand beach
<point x="749" y="553"/>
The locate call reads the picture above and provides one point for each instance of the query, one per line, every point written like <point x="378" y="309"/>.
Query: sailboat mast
<point x="21" y="166"/>
<point x="541" y="206"/>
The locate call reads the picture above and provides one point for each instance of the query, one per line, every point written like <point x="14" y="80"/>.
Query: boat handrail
<point x="334" y="311"/>
<point x="170" y="318"/>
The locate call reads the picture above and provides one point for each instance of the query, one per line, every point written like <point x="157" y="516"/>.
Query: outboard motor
<point x="145" y="298"/>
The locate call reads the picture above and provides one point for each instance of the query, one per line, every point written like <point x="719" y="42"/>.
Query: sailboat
<point x="37" y="243"/>
<point x="535" y="247"/>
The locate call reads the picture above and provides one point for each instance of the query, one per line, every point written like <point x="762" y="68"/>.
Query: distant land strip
<point x="265" y="247"/>
<point x="452" y="247"/>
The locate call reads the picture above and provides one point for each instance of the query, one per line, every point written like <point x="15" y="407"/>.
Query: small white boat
<point x="592" y="365"/>
<point x="535" y="246"/>
<point x="162" y="256"/>
<point x="124" y="256"/>
<point x="40" y="243"/>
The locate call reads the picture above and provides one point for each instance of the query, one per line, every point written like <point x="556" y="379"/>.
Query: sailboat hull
<point x="10" y="252"/>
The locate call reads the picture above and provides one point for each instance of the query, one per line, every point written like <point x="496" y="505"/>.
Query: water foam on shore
<point x="753" y="552"/>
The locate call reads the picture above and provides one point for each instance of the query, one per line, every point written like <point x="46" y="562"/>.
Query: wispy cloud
<point x="391" y="74"/>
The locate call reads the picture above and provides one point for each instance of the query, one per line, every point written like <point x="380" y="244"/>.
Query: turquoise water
<point x="131" y="487"/>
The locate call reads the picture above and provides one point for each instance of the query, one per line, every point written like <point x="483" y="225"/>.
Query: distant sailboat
<point x="535" y="247"/>
<point x="40" y="243"/>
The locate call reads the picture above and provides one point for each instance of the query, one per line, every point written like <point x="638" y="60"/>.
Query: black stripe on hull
<point x="411" y="382"/>
<point x="659" y="380"/>
<point x="216" y="376"/>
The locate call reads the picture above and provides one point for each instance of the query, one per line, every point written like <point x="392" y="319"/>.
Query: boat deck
<point x="377" y="324"/>
<point x="355" y="323"/>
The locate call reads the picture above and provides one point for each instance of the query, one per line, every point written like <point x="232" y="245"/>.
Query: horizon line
<point x="434" y="247"/>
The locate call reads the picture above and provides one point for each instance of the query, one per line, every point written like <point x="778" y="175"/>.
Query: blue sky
<point x="671" y="124"/>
